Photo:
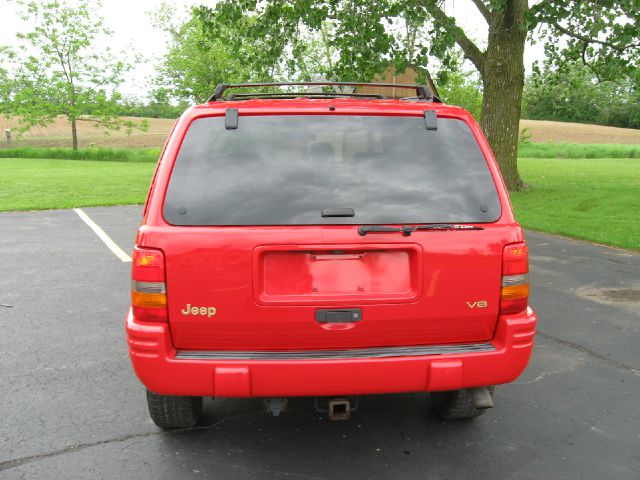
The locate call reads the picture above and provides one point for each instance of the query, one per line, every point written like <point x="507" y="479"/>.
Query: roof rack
<point x="280" y="95"/>
<point x="423" y="92"/>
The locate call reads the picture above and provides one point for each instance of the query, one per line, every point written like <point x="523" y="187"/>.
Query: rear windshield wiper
<point x="407" y="230"/>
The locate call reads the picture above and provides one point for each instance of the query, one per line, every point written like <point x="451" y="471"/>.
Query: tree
<point x="572" y="92"/>
<point x="5" y="87"/>
<point x="604" y="34"/>
<point x="460" y="86"/>
<point x="196" y="62"/>
<point x="159" y="105"/>
<point x="58" y="72"/>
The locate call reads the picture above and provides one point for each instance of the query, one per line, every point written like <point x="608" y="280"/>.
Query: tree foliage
<point x="572" y="92"/>
<point x="57" y="71"/>
<point x="197" y="61"/>
<point x="602" y="35"/>
<point x="352" y="35"/>
<point x="160" y="105"/>
<point x="205" y="50"/>
<point x="464" y="90"/>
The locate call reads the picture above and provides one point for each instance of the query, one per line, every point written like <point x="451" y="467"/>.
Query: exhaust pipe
<point x="275" y="406"/>
<point x="481" y="397"/>
<point x="339" y="409"/>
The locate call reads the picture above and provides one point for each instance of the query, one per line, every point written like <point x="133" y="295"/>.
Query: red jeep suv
<point x="327" y="244"/>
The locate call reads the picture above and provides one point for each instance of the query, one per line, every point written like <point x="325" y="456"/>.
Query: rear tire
<point x="174" y="412"/>
<point x="456" y="404"/>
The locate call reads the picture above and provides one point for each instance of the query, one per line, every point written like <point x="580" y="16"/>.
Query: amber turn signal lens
<point x="148" y="300"/>
<point x="513" y="292"/>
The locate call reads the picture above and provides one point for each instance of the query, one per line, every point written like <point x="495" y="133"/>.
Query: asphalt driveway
<point x="71" y="407"/>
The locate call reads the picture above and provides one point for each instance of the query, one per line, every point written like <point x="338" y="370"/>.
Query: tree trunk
<point x="503" y="79"/>
<point x="74" y="133"/>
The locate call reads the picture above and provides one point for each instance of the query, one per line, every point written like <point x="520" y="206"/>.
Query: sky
<point x="132" y="29"/>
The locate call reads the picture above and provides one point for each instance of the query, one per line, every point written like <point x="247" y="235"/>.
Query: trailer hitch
<point x="338" y="408"/>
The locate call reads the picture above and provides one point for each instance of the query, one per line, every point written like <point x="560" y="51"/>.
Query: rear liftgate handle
<point x="339" y="316"/>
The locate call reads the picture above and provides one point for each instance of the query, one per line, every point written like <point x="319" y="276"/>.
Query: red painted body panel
<point x="266" y="283"/>
<point x="217" y="266"/>
<point x="153" y="357"/>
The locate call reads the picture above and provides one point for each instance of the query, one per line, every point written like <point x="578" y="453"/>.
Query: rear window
<point x="284" y="170"/>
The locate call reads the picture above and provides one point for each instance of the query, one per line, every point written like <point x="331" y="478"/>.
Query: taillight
<point x="514" y="295"/>
<point x="148" y="287"/>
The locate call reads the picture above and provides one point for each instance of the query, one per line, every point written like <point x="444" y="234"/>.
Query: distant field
<point x="58" y="134"/>
<point x="566" y="132"/>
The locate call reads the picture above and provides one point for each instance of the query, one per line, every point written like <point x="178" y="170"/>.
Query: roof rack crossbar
<point x="422" y="91"/>
<point x="239" y="96"/>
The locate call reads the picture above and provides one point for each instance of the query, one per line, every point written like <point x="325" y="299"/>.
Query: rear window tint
<point x="284" y="170"/>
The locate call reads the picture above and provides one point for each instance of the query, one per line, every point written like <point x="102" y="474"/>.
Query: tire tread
<point x="168" y="411"/>
<point x="456" y="404"/>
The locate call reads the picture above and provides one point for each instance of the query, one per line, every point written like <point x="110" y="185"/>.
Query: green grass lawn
<point x="577" y="150"/>
<point x="90" y="153"/>
<point x="591" y="199"/>
<point x="36" y="184"/>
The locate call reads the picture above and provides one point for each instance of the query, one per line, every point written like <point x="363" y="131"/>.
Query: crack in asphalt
<point x="17" y="462"/>
<point x="6" y="465"/>
<point x="591" y="353"/>
<point x="545" y="374"/>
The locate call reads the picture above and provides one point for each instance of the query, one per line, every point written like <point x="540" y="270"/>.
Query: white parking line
<point x="117" y="251"/>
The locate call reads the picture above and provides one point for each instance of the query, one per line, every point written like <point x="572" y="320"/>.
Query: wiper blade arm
<point x="407" y="230"/>
<point x="364" y="229"/>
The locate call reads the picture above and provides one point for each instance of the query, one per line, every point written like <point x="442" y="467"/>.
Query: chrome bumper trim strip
<point x="381" y="352"/>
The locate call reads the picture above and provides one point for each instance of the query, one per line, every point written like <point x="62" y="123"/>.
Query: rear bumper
<point x="165" y="371"/>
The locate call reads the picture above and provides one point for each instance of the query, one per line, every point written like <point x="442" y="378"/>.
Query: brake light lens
<point x="514" y="295"/>
<point x="148" y="286"/>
